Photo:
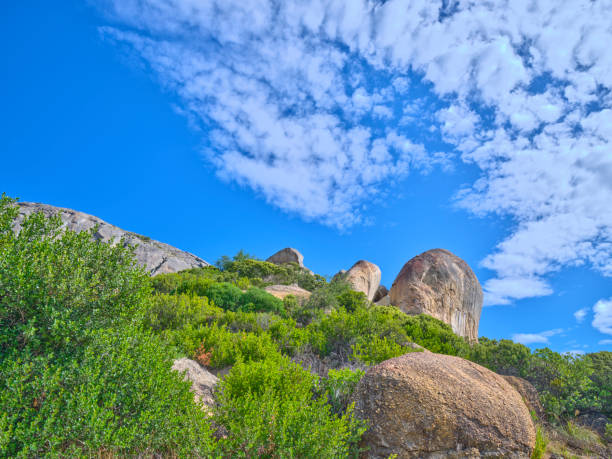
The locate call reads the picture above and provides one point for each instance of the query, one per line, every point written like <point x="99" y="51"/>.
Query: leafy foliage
<point x="270" y="410"/>
<point x="57" y="284"/>
<point x="340" y="385"/>
<point x="117" y="396"/>
<point x="540" y="444"/>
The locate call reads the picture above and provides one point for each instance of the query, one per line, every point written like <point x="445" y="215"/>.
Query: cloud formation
<point x="534" y="338"/>
<point x="319" y="106"/>
<point x="603" y="316"/>
<point x="580" y="314"/>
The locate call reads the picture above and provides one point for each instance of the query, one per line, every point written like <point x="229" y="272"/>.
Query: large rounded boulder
<point x="364" y="277"/>
<point x="426" y="405"/>
<point x="287" y="255"/>
<point x="442" y="285"/>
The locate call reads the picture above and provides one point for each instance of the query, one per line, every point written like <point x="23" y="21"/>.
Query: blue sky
<point x="349" y="130"/>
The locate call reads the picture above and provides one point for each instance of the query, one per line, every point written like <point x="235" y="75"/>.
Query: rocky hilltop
<point x="155" y="256"/>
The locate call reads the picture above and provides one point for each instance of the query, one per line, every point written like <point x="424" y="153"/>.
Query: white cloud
<point x="534" y="338"/>
<point x="580" y="314"/>
<point x="603" y="316"/>
<point x="605" y="341"/>
<point x="295" y="93"/>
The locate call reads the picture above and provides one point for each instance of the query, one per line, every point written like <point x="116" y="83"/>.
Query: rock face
<point x="202" y="382"/>
<point x="157" y="257"/>
<point x="381" y="292"/>
<point x="281" y="291"/>
<point x="426" y="405"/>
<point x="528" y="393"/>
<point x="442" y="285"/>
<point x="287" y="255"/>
<point x="384" y="301"/>
<point x="364" y="277"/>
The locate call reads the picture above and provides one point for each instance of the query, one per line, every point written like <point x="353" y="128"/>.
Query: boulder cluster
<point x="436" y="282"/>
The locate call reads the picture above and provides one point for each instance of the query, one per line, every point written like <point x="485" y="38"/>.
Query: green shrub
<point x="58" y="285"/>
<point x="117" y="397"/>
<point x="434" y="335"/>
<point x="373" y="350"/>
<point x="504" y="356"/>
<point x="352" y="300"/>
<point x="225" y="348"/>
<point x="224" y="295"/>
<point x="165" y="312"/>
<point x="601" y="377"/>
<point x="540" y="444"/>
<point x="326" y="296"/>
<point x="339" y="386"/>
<point x="563" y="383"/>
<point x="257" y="300"/>
<point x="270" y="410"/>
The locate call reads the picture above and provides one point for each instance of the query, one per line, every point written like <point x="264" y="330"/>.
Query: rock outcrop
<point x="381" y="292"/>
<point x="426" y="405"/>
<point x="281" y="291"/>
<point x="202" y="382"/>
<point x="528" y="393"/>
<point x="364" y="277"/>
<point x="156" y="257"/>
<point x="442" y="285"/>
<point x="287" y="255"/>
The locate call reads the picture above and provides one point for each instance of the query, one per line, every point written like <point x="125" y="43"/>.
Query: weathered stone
<point x="381" y="292"/>
<point x="287" y="255"/>
<point x="384" y="301"/>
<point x="426" y="405"/>
<point x="281" y="291"/>
<point x="442" y="285"/>
<point x="528" y="393"/>
<point x="364" y="277"/>
<point x="202" y="382"/>
<point x="156" y="257"/>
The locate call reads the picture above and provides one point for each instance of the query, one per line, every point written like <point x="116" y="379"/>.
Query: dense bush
<point x="116" y="397"/>
<point x="340" y="385"/>
<point x="601" y="363"/>
<point x="56" y="285"/>
<point x="271" y="409"/>
<point x="262" y="273"/>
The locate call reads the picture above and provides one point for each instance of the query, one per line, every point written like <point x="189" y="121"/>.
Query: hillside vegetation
<point x="87" y="340"/>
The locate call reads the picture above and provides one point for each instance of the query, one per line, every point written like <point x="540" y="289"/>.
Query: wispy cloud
<point x="580" y="314"/>
<point x="534" y="338"/>
<point x="603" y="316"/>
<point x="319" y="106"/>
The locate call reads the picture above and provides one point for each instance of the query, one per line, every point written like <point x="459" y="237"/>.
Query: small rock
<point x="202" y="382"/>
<point x="281" y="291"/>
